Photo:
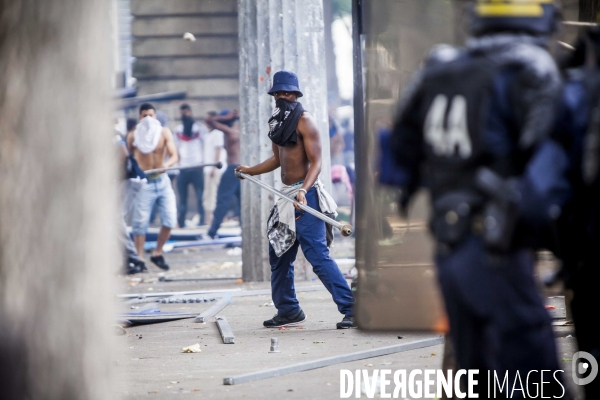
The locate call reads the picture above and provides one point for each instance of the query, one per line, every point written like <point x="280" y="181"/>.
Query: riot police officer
<point x="578" y="129"/>
<point x="474" y="127"/>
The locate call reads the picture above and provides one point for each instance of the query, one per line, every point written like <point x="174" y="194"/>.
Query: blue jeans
<point x="228" y="197"/>
<point x="196" y="178"/>
<point x="156" y="191"/>
<point x="310" y="234"/>
<point x="497" y="317"/>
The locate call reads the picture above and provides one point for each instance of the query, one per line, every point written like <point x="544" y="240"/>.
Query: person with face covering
<point x="189" y="137"/>
<point x="150" y="143"/>
<point x="297" y="150"/>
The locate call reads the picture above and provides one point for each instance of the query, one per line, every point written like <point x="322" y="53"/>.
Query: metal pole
<point x="346" y="229"/>
<point x="325" y="362"/>
<point x="214" y="309"/>
<point x="225" y="330"/>
<point x="160" y="170"/>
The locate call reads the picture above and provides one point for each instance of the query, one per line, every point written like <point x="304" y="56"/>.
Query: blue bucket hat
<point x="285" y="81"/>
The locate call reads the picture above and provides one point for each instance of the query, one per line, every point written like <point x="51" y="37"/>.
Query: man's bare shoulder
<point x="306" y="123"/>
<point x="166" y="133"/>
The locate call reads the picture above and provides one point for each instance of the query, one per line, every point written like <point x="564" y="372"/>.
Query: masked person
<point x="297" y="150"/>
<point x="149" y="144"/>
<point x="189" y="137"/>
<point x="578" y="129"/>
<point x="473" y="126"/>
<point x="228" y="191"/>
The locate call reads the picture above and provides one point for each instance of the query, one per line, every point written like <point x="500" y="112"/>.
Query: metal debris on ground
<point x="214" y="309"/>
<point x="225" y="330"/>
<point x="225" y="278"/>
<point x="195" y="348"/>
<point x="324" y="362"/>
<point x="274" y="346"/>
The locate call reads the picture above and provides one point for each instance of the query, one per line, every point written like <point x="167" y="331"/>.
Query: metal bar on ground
<point x="234" y="293"/>
<point x="206" y="242"/>
<point x="167" y="294"/>
<point x="225" y="278"/>
<point x="325" y="362"/>
<point x="157" y="170"/>
<point x="214" y="309"/>
<point x="225" y="330"/>
<point x="346" y="229"/>
<point x="231" y="241"/>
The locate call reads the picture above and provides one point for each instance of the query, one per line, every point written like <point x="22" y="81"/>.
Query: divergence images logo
<point x="584" y="363"/>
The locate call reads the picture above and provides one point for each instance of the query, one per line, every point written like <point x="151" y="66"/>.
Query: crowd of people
<point x="149" y="144"/>
<point x="149" y="149"/>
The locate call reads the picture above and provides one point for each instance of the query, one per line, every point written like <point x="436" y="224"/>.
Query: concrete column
<point x="275" y="35"/>
<point x="58" y="215"/>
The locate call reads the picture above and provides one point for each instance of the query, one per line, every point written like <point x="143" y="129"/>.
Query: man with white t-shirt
<point x="214" y="151"/>
<point x="189" y="137"/>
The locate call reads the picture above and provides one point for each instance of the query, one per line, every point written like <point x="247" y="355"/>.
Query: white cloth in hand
<point x="147" y="134"/>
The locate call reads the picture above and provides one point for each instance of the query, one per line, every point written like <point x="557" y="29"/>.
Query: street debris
<point x="274" y="346"/>
<point x="214" y="309"/>
<point x="325" y="362"/>
<point x="225" y="330"/>
<point x="195" y="348"/>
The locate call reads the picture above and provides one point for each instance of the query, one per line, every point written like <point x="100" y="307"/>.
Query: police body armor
<point x="462" y="121"/>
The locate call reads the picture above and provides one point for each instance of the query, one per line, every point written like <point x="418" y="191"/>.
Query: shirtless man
<point x="150" y="143"/>
<point x="297" y="150"/>
<point x="229" y="186"/>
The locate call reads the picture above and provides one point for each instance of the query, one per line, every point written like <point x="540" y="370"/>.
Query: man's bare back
<point x="232" y="145"/>
<point x="231" y="134"/>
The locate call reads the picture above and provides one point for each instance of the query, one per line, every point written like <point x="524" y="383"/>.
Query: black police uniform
<point x="473" y="128"/>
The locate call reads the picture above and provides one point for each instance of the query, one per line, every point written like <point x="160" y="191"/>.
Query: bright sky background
<point x="342" y="42"/>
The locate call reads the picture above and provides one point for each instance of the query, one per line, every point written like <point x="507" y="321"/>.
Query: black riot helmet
<point x="532" y="17"/>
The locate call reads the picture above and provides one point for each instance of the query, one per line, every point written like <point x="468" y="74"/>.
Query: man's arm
<point x="130" y="142"/>
<point x="312" y="145"/>
<point x="227" y="130"/>
<point x="270" y="164"/>
<point x="171" y="149"/>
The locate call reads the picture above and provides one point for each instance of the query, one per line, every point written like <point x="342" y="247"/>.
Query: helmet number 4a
<point x="448" y="137"/>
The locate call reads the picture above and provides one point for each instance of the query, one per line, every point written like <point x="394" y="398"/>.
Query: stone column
<point x="58" y="215"/>
<point x="275" y="35"/>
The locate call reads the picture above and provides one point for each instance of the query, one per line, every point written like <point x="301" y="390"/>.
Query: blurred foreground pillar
<point x="273" y="36"/>
<point x="57" y="252"/>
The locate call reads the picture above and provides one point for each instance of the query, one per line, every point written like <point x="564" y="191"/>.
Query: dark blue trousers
<point x="310" y="234"/>
<point x="228" y="197"/>
<point x="185" y="178"/>
<point x="497" y="318"/>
